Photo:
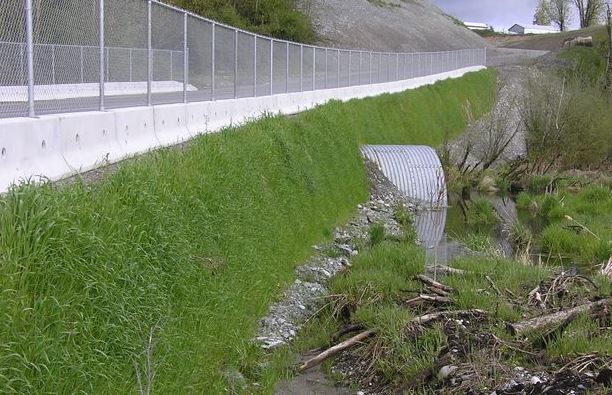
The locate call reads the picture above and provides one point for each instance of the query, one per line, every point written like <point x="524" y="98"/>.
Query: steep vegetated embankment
<point x="159" y="273"/>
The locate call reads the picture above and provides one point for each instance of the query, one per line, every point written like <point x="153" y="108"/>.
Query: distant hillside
<point x="552" y="42"/>
<point x="388" y="25"/>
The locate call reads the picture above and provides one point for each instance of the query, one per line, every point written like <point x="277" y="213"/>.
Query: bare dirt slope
<point x="388" y="25"/>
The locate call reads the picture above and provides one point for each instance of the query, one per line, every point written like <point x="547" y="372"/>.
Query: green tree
<point x="561" y="13"/>
<point x="542" y="13"/>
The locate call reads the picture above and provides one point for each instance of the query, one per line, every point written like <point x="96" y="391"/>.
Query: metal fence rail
<point x="79" y="55"/>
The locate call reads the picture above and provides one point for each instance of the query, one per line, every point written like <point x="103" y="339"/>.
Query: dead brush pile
<point x="499" y="327"/>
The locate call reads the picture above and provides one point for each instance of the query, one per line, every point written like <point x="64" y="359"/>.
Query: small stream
<point x="442" y="229"/>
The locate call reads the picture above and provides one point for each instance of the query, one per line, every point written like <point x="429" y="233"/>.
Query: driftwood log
<point x="554" y="319"/>
<point x="330" y="352"/>
<point x="438" y="292"/>
<point x="429" y="298"/>
<point x="433" y="283"/>
<point x="427" y="318"/>
<point x="446" y="270"/>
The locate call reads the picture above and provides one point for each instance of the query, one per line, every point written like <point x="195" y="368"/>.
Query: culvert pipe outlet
<point x="415" y="170"/>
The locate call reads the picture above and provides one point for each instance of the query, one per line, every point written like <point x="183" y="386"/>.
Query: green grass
<point x="481" y="213"/>
<point x="577" y="225"/>
<point x="474" y="290"/>
<point x="372" y="290"/>
<point x="191" y="245"/>
<point x="381" y="274"/>
<point x="381" y="279"/>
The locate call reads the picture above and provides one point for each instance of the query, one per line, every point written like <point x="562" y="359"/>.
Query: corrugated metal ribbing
<point x="415" y="169"/>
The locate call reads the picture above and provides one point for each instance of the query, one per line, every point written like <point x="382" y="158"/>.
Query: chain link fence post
<point x="314" y="68"/>
<point x="185" y="57"/>
<point x="301" y="68"/>
<point x="235" y="63"/>
<point x="130" y="66"/>
<point x="102" y="53"/>
<point x="212" y="61"/>
<point x="325" y="85"/>
<point x="271" y="67"/>
<point x="338" y="67"/>
<point x="30" y="57"/>
<point x="397" y="67"/>
<point x="53" y="64"/>
<point x="350" y="60"/>
<point x="254" y="66"/>
<point x="370" y="70"/>
<point x="359" y="76"/>
<point x="287" y="71"/>
<point x="149" y="54"/>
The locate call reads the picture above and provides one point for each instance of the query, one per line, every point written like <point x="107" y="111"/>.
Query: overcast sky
<point x="502" y="14"/>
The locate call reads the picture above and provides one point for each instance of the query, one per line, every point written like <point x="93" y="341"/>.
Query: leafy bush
<point x="276" y="18"/>
<point x="567" y="115"/>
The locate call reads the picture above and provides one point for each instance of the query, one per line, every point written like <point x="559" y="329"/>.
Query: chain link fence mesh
<point x="126" y="56"/>
<point x="295" y="63"/>
<point x="224" y="63"/>
<point x="65" y="31"/>
<point x="153" y="53"/>
<point x="13" y="78"/>
<point x="199" y="44"/>
<point x="279" y="74"/>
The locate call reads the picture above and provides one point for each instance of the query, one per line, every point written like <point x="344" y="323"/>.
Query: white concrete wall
<point x="57" y="146"/>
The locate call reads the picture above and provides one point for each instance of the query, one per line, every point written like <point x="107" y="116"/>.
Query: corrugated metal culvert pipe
<point x="417" y="172"/>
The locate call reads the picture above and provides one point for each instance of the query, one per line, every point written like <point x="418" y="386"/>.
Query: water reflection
<point x="441" y="230"/>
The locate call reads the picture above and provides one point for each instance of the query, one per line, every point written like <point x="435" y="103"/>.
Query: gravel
<point x="503" y="120"/>
<point x="389" y="25"/>
<point x="303" y="297"/>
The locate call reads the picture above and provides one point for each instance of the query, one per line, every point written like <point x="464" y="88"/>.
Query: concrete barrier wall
<point x="57" y="146"/>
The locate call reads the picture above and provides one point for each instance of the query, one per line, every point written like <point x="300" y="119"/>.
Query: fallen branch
<point x="492" y="283"/>
<point x="554" y="333"/>
<point x="510" y="293"/>
<point x="427" y="318"/>
<point x="439" y="292"/>
<point x="433" y="283"/>
<point x="606" y="269"/>
<point x="346" y="329"/>
<point x="429" y="298"/>
<point x="551" y="319"/>
<point x="330" y="352"/>
<point x="443" y="269"/>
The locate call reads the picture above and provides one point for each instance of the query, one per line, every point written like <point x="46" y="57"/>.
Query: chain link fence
<point x="88" y="55"/>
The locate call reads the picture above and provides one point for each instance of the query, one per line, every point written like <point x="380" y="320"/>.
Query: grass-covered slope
<point x="165" y="267"/>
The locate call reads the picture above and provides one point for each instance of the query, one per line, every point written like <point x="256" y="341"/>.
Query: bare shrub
<point x="567" y="123"/>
